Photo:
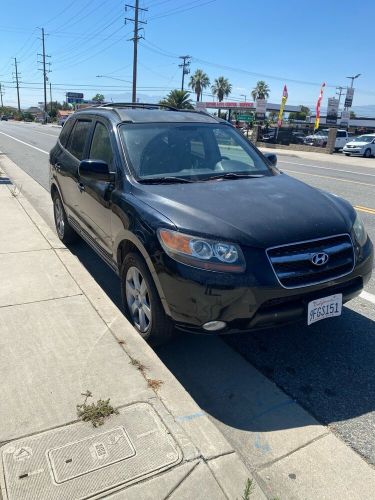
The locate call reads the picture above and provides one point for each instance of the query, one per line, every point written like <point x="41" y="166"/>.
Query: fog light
<point x="214" y="326"/>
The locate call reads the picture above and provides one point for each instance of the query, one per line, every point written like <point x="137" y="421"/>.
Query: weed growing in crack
<point x="96" y="413"/>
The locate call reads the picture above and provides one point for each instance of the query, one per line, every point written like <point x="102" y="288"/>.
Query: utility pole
<point x="339" y="92"/>
<point x="17" y="85"/>
<point x="185" y="65"/>
<point x="45" y="78"/>
<point x="135" y="40"/>
<point x="1" y="95"/>
<point x="50" y="96"/>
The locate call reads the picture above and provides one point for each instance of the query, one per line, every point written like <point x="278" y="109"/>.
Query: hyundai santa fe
<point x="206" y="234"/>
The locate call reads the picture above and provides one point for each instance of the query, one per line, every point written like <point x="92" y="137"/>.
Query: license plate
<point x="326" y="307"/>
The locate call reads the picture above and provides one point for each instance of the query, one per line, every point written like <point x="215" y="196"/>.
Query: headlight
<point x="359" y="231"/>
<point x="213" y="255"/>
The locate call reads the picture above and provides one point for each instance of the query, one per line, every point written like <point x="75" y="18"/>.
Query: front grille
<point x="293" y="266"/>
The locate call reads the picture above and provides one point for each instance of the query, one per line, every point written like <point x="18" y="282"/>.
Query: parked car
<point x="4" y="118"/>
<point x="363" y="145"/>
<point x="205" y="233"/>
<point x="283" y="136"/>
<point x="320" y="139"/>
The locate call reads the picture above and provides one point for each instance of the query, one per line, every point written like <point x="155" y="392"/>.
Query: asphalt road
<point x="328" y="367"/>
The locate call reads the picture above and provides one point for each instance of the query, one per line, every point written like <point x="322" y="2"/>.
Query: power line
<point x="136" y="38"/>
<point x="179" y="10"/>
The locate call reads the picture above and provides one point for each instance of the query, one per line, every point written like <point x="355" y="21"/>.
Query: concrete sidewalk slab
<point x="33" y="276"/>
<point x="17" y="232"/>
<point x="326" y="470"/>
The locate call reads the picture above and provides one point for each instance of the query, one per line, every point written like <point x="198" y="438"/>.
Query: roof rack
<point x="142" y="105"/>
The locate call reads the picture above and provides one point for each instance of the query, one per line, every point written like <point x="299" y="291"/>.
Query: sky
<point x="293" y="42"/>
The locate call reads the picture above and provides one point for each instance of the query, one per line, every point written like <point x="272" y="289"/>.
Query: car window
<point x="64" y="134"/>
<point x="77" y="139"/>
<point x="192" y="151"/>
<point x="101" y="148"/>
<point x="341" y="133"/>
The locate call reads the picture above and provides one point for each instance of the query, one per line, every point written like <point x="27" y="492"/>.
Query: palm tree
<point x="178" y="99"/>
<point x="198" y="82"/>
<point x="261" y="90"/>
<point x="221" y="88"/>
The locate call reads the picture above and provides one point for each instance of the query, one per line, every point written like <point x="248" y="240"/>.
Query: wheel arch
<point x="128" y="243"/>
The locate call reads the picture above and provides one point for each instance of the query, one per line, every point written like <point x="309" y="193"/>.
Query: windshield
<point x="189" y="151"/>
<point x="364" y="138"/>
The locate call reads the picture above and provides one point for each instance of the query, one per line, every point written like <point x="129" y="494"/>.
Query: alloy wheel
<point x="59" y="217"/>
<point x="138" y="299"/>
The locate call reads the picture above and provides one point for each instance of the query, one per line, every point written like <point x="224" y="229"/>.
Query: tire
<point x="63" y="229"/>
<point x="367" y="153"/>
<point x="142" y="303"/>
<point x="347" y="154"/>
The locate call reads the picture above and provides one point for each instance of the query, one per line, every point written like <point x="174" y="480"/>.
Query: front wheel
<point x="347" y="154"/>
<point x="142" y="303"/>
<point x="367" y="153"/>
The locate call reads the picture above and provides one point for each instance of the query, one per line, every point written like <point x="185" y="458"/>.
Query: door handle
<point x="80" y="186"/>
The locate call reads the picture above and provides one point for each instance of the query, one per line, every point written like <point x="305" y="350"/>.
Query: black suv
<point x="204" y="231"/>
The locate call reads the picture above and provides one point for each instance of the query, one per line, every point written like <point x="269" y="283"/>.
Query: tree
<point x="300" y="115"/>
<point x="178" y="99"/>
<point x="261" y="90"/>
<point x="198" y="82"/>
<point x="221" y="88"/>
<point x="353" y="115"/>
<point x="99" y="98"/>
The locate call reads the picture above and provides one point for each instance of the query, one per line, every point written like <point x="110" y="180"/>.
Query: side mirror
<point x="95" y="170"/>
<point x="272" y="158"/>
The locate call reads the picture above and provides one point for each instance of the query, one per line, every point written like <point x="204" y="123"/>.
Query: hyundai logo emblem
<point x="319" y="259"/>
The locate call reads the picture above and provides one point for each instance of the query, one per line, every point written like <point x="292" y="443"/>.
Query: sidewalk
<point x="61" y="336"/>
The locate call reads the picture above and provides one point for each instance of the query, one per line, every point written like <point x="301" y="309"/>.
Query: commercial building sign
<point x="261" y="106"/>
<point x="74" y="97"/>
<point x="345" y="117"/>
<point x="332" y="111"/>
<point x="349" y="97"/>
<point x="224" y="105"/>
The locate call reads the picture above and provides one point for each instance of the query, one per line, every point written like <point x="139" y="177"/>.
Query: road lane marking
<point x="318" y="166"/>
<point x="365" y="209"/>
<point x="328" y="177"/>
<point x="334" y="169"/>
<point x="53" y="135"/>
<point x="368" y="296"/>
<point x="26" y="143"/>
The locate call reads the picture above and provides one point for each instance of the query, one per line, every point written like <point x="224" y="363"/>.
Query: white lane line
<point x="328" y="177"/>
<point x="328" y="168"/>
<point x="53" y="135"/>
<point x="368" y="296"/>
<point x="26" y="143"/>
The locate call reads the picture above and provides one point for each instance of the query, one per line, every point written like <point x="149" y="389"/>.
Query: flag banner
<point x="317" y="119"/>
<point x="282" y="106"/>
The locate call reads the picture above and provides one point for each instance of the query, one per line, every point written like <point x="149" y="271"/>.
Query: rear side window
<point x="101" y="148"/>
<point x="78" y="137"/>
<point x="341" y="134"/>
<point x="63" y="138"/>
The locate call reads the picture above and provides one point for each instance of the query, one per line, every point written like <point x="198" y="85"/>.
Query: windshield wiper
<point x="165" y="180"/>
<point x="233" y="175"/>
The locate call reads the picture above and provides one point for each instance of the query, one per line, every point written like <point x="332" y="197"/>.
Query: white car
<point x="363" y="145"/>
<point x="320" y="138"/>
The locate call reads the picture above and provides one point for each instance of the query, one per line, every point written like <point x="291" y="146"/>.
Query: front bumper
<point x="250" y="301"/>
<point x="353" y="151"/>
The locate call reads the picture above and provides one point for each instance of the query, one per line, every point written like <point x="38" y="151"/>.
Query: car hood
<point x="260" y="212"/>
<point x="357" y="144"/>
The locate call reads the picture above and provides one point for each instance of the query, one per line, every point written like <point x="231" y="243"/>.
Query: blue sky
<point x="295" y="42"/>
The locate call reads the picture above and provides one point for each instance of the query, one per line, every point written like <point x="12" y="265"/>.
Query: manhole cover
<point x="78" y="461"/>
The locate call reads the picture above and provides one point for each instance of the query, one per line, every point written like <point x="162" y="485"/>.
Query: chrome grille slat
<point x="293" y="267"/>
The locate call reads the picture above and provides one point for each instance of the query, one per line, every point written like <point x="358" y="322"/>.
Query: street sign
<point x="345" y="117"/>
<point x="349" y="97"/>
<point x="261" y="106"/>
<point x="245" y="118"/>
<point x="74" y="95"/>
